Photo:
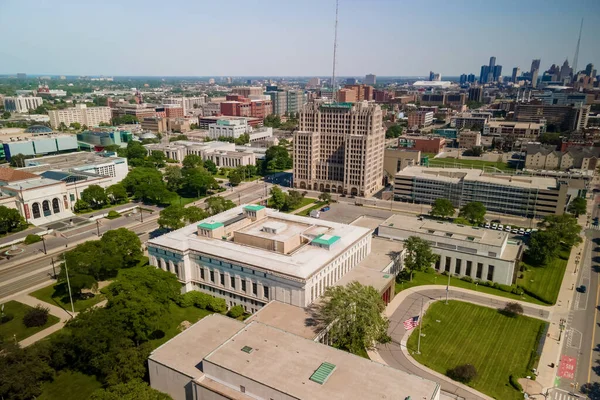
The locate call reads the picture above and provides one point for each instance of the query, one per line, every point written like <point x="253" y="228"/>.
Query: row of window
<point x="214" y="276"/>
<point x="468" y="270"/>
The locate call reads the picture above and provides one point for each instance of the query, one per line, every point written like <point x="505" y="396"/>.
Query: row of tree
<point x="474" y="212"/>
<point x="176" y="216"/>
<point x="556" y="229"/>
<point x="95" y="197"/>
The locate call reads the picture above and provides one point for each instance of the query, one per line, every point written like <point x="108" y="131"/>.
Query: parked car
<point x="582" y="289"/>
<point x="315" y="214"/>
<point x="515" y="231"/>
<point x="508" y="228"/>
<point x="521" y="231"/>
<point x="487" y="225"/>
<point x="326" y="208"/>
<point x="494" y="226"/>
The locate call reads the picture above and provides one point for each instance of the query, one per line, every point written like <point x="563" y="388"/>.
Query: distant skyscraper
<point x="516" y="73"/>
<point x="314" y="82"/>
<point x="483" y="75"/>
<point x="565" y="70"/>
<point x="463" y="79"/>
<point x="497" y="72"/>
<point x="490" y="73"/>
<point x="370" y="79"/>
<point x="492" y="62"/>
<point x="534" y="72"/>
<point x="476" y="93"/>
<point x="431" y="75"/>
<point x="471" y="78"/>
<point x="589" y="69"/>
<point x="535" y="64"/>
<point x="351" y="81"/>
<point x="21" y="76"/>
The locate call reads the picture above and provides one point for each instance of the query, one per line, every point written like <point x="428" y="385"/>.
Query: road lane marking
<point x="593" y="334"/>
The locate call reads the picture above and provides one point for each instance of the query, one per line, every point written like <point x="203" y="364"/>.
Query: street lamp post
<point x="98" y="227"/>
<point x="53" y="269"/>
<point x="44" y="242"/>
<point x="448" y="287"/>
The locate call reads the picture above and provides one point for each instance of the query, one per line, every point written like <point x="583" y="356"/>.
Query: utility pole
<point x="448" y="287"/>
<point x="98" y="227"/>
<point x="69" y="286"/>
<point x="44" y="242"/>
<point x="420" y="326"/>
<point x="53" y="269"/>
<point x="141" y="215"/>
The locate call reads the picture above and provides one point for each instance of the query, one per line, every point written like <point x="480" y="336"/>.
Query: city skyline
<point x="296" y="39"/>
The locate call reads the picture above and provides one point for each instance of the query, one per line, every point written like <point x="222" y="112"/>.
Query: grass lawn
<point x="432" y="278"/>
<point x="545" y="280"/>
<point x="176" y="316"/>
<point x="51" y="295"/>
<point x="184" y="200"/>
<point x="305" y="201"/>
<point x="498" y="346"/>
<point x="9" y="329"/>
<point x="316" y="206"/>
<point x="69" y="385"/>
<point x="453" y="162"/>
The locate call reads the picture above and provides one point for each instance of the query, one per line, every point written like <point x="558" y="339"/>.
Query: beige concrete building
<point x="339" y="148"/>
<point x="223" y="154"/>
<point x="247" y="91"/>
<point x="420" y="118"/>
<point x="469" y="139"/>
<point x="88" y="116"/>
<point x="220" y="358"/>
<point x="395" y="160"/>
<point x="154" y="124"/>
<point x="528" y="130"/>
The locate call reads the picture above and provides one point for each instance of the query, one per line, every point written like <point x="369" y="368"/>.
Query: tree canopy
<point x="393" y="131"/>
<point x="578" y="206"/>
<point x="354" y="313"/>
<point x="133" y="390"/>
<point x="11" y="220"/>
<point x="565" y="227"/>
<point x="277" y="158"/>
<point x="148" y="185"/>
<point x="95" y="196"/>
<point x="218" y="204"/>
<point x="442" y="208"/>
<point x="474" y="212"/>
<point x="176" y="216"/>
<point x="419" y="255"/>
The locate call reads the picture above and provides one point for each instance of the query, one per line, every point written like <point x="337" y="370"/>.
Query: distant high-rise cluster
<point x="490" y="73"/>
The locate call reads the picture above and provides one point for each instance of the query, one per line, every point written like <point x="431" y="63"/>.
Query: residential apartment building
<point x="88" y="116"/>
<point x="528" y="130"/>
<point x="470" y="120"/>
<point x="469" y="139"/>
<point x="361" y="92"/>
<point x="251" y="254"/>
<point x="482" y="254"/>
<point x="425" y="144"/>
<point x="247" y="108"/>
<point x="433" y="99"/>
<point x="548" y="158"/>
<point x="476" y="94"/>
<point x="223" y="154"/>
<point x="222" y="358"/>
<point x="420" y="119"/>
<point x="22" y="104"/>
<point x="518" y="195"/>
<point x="187" y="103"/>
<point x="346" y="96"/>
<point x="339" y="148"/>
<point x="565" y="118"/>
<point x="172" y="110"/>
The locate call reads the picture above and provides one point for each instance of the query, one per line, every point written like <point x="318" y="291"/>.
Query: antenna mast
<point x="333" y="94"/>
<point x="576" y="49"/>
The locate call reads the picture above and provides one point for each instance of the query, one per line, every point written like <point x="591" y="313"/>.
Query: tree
<point x="6" y="115"/>
<point x="218" y="204"/>
<point x="135" y="150"/>
<point x="125" y="120"/>
<point x="192" y="161"/>
<point x="442" y="208"/>
<point x="95" y="196"/>
<point x="293" y="199"/>
<point x="243" y="139"/>
<point x="277" y="158"/>
<point x="550" y="138"/>
<point x="178" y="137"/>
<point x="147" y="184"/>
<point x="37" y="316"/>
<point x="124" y="244"/>
<point x="194" y="214"/>
<point x="174" y="177"/>
<point x="18" y="160"/>
<point x="211" y="166"/>
<point x="81" y="206"/>
<point x="197" y="181"/>
<point x="22" y="374"/>
<point x="235" y="177"/>
<point x="273" y="121"/>
<point x="11" y="220"/>
<point x="592" y="390"/>
<point x="463" y="373"/>
<point x="325" y="197"/>
<point x="116" y="193"/>
<point x="476" y="151"/>
<point x="512" y="309"/>
<point x="158" y="158"/>
<point x="133" y="390"/>
<point x="277" y="199"/>
<point x="354" y="315"/>
<point x="565" y="226"/>
<point x="542" y="246"/>
<point x="172" y="217"/>
<point x="75" y="125"/>
<point x="578" y="206"/>
<point x="474" y="212"/>
<point x="393" y="131"/>
<point x="419" y="256"/>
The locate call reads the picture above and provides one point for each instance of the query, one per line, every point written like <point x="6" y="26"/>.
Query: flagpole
<point x="420" y="324"/>
<point x="448" y="287"/>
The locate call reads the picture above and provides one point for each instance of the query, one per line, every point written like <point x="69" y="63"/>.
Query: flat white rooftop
<point x="301" y="263"/>
<point x="455" y="175"/>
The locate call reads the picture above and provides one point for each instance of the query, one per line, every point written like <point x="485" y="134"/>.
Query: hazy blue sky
<point x="291" y="37"/>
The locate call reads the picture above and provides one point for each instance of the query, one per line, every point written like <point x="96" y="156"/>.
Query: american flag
<point x="411" y="323"/>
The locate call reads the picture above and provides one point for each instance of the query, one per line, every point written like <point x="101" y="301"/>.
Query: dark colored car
<point x="582" y="289"/>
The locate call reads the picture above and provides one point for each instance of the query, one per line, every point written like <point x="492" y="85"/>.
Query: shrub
<point x="6" y="318"/>
<point x="512" y="309"/>
<point x="235" y="311"/>
<point x="37" y="316"/>
<point x="467" y="279"/>
<point x="515" y="383"/>
<point x="463" y="373"/>
<point x="217" y="305"/>
<point x="112" y="214"/>
<point x="30" y="239"/>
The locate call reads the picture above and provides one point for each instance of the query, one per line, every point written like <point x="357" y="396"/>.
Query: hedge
<point x="515" y="383"/>
<point x="30" y="239"/>
<point x="203" y="301"/>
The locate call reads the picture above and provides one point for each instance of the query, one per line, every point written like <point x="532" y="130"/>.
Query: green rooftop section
<point x="326" y="240"/>
<point x="337" y="105"/>
<point x="247" y="349"/>
<point x="322" y="373"/>
<point x="210" y="225"/>
<point x="253" y="207"/>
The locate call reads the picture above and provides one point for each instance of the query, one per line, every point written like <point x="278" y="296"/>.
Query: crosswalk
<point x="556" y="395"/>
<point x="594" y="227"/>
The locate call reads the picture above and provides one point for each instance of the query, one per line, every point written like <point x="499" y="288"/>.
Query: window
<point x="458" y="265"/>
<point x="243" y="285"/>
<point x="490" y="274"/>
<point x="254" y="288"/>
<point x="212" y="276"/>
<point x="469" y="265"/>
<point x="479" y="270"/>
<point x="222" y="279"/>
<point x="266" y="291"/>
<point x="242" y="389"/>
<point x="201" y="273"/>
<point x="437" y="263"/>
<point x="448" y="261"/>
<point x="232" y="282"/>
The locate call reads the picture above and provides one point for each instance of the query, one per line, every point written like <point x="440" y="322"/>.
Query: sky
<point x="291" y="37"/>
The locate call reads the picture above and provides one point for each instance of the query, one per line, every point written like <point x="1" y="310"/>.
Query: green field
<point x="455" y="163"/>
<point x="305" y="201"/>
<point x="316" y="206"/>
<point x="15" y="328"/>
<point x="498" y="346"/>
<point x="545" y="280"/>
<point x="69" y="385"/>
<point x="54" y="295"/>
<point x="433" y="278"/>
<point x="181" y="200"/>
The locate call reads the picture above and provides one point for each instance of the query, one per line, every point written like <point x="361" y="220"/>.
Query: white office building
<point x="250" y="255"/>
<point x="223" y="154"/>
<point x="229" y="128"/>
<point x="81" y="114"/>
<point x="482" y="254"/>
<point x="22" y="104"/>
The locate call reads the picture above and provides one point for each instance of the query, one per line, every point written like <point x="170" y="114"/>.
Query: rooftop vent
<point x="247" y="349"/>
<point x="322" y="373"/>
